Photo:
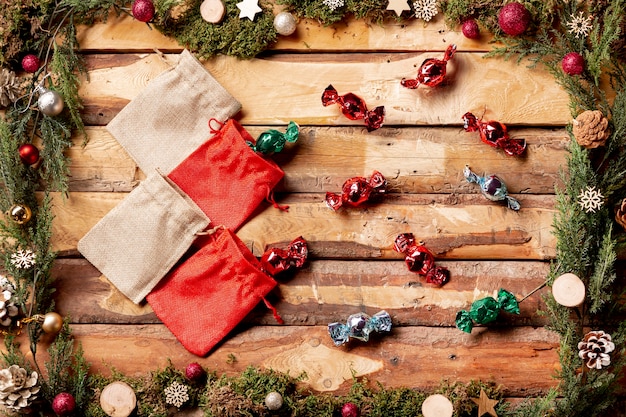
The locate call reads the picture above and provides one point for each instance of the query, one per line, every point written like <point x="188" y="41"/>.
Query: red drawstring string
<point x="270" y="198"/>
<point x="274" y="311"/>
<point x="221" y="125"/>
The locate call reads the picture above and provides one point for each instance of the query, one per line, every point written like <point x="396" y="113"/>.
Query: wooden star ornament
<point x="248" y="8"/>
<point x="398" y="6"/>
<point x="485" y="405"/>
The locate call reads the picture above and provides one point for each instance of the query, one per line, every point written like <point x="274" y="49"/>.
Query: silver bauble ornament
<point x="285" y="23"/>
<point x="273" y="401"/>
<point x="50" y="102"/>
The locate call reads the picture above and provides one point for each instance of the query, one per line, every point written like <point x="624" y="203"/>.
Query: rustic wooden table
<point x="421" y="149"/>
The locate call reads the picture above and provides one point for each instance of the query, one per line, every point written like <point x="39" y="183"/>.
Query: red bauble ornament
<point x="514" y="19"/>
<point x="143" y="10"/>
<point x="470" y="29"/>
<point x="29" y="154"/>
<point x="194" y="371"/>
<point x="30" y="63"/>
<point x="64" y="404"/>
<point x="573" y="63"/>
<point x="350" y="410"/>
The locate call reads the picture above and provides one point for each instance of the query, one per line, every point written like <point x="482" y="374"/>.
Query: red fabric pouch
<point x="207" y="295"/>
<point x="226" y="178"/>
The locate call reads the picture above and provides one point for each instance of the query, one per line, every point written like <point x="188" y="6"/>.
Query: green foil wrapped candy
<point x="464" y="321"/>
<point x="272" y="141"/>
<point x="484" y="310"/>
<point x="508" y="302"/>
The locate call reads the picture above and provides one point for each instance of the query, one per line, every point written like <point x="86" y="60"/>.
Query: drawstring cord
<point x="220" y="124"/>
<point x="274" y="311"/>
<point x="270" y="198"/>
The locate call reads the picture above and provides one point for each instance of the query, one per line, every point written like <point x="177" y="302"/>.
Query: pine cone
<point x="10" y="87"/>
<point x="594" y="349"/>
<point x="620" y="214"/>
<point x="591" y="129"/>
<point x="8" y="309"/>
<point x="17" y="389"/>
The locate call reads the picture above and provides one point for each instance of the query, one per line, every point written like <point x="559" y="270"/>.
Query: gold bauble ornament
<point x="52" y="323"/>
<point x="20" y="213"/>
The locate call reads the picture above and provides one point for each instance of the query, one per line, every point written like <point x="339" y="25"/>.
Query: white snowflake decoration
<point x="580" y="25"/>
<point x="590" y="199"/>
<point x="333" y="4"/>
<point x="176" y="394"/>
<point x="425" y="9"/>
<point x="23" y="259"/>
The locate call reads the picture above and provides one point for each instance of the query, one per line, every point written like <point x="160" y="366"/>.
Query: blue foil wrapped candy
<point x="492" y="187"/>
<point x="359" y="326"/>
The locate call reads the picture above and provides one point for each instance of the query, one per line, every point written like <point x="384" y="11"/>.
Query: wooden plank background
<point x="422" y="150"/>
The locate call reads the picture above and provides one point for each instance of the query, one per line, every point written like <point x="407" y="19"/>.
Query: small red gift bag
<point x="207" y="295"/>
<point x="226" y="178"/>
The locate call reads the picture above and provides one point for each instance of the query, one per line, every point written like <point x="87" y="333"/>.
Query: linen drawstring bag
<point x="207" y="295"/>
<point x="167" y="120"/>
<point x="226" y="178"/>
<point x="141" y="239"/>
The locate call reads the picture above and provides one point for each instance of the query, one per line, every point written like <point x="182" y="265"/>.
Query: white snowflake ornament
<point x="176" y="394"/>
<point x="23" y="259"/>
<point x="580" y="25"/>
<point x="333" y="4"/>
<point x="590" y="199"/>
<point x="425" y="9"/>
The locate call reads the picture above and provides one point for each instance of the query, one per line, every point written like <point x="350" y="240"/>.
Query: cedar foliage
<point x="586" y="241"/>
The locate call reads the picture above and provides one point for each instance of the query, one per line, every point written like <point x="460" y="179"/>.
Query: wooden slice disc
<point x="437" y="406"/>
<point x="118" y="399"/>
<point x="212" y="10"/>
<point x="568" y="290"/>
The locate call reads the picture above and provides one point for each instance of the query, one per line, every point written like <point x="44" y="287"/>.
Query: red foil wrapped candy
<point x="276" y="260"/>
<point x="494" y="134"/>
<point x="354" y="108"/>
<point x="358" y="190"/>
<point x="420" y="260"/>
<point x="432" y="72"/>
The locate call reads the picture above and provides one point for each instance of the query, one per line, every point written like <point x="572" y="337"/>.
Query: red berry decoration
<point x="143" y="10"/>
<point x="194" y="371"/>
<point x="30" y="63"/>
<point x="63" y="404"/>
<point x="29" y="154"/>
<point x="573" y="63"/>
<point x="350" y="410"/>
<point x="470" y="29"/>
<point x="514" y="19"/>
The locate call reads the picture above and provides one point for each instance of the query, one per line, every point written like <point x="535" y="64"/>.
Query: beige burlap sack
<point x="169" y="119"/>
<point x="141" y="239"/>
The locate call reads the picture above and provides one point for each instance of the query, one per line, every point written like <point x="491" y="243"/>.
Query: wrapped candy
<point x="358" y="190"/>
<point x="420" y="260"/>
<point x="272" y="141"/>
<point x="493" y="188"/>
<point x="276" y="260"/>
<point x="354" y="108"/>
<point x="494" y="134"/>
<point x="432" y="72"/>
<point x="359" y="326"/>
<point x="486" y="310"/>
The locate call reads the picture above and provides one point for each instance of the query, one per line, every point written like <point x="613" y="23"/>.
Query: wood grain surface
<point x="422" y="150"/>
